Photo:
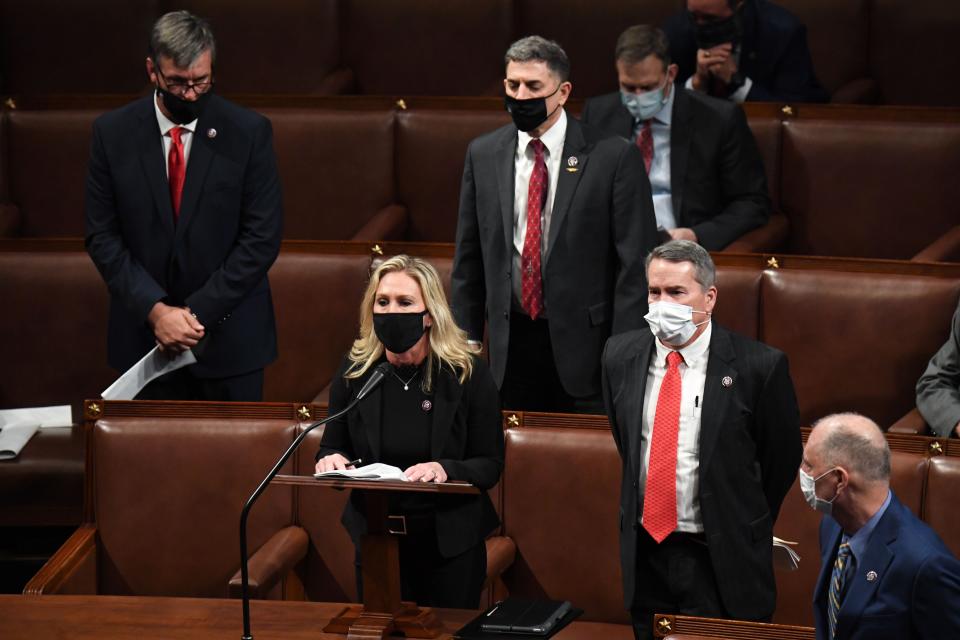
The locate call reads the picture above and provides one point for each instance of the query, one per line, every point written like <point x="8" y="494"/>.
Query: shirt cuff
<point x="689" y="83"/>
<point x="740" y="95"/>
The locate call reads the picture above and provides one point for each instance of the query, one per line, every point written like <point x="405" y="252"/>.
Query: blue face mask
<point x="643" y="106"/>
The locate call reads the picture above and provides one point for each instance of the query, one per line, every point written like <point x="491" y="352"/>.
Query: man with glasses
<point x="183" y="220"/>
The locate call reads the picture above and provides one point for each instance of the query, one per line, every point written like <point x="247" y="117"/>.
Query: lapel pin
<point x="572" y="161"/>
<point x="211" y="133"/>
<point x="871" y="576"/>
<point x="727" y="381"/>
<point x="426" y="405"/>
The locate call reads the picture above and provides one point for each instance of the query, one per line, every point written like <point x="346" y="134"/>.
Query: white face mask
<point x="808" y="485"/>
<point x="672" y="322"/>
<point x="643" y="106"/>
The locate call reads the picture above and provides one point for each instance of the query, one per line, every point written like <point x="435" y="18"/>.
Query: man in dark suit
<point x="938" y="389"/>
<point x="707" y="426"/>
<point x="552" y="229"/>
<point x="885" y="574"/>
<point x="743" y="50"/>
<point x="703" y="164"/>
<point x="184" y="218"/>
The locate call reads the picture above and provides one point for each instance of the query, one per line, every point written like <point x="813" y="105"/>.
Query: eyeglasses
<point x="181" y="88"/>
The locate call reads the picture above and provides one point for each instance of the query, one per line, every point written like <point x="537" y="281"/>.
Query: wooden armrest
<point x="912" y="423"/>
<point x="390" y="223"/>
<point x="72" y="569"/>
<point x="769" y="237"/>
<point x="271" y="562"/>
<point x="946" y="248"/>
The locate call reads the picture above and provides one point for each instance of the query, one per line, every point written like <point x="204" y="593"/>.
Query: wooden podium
<point x="382" y="611"/>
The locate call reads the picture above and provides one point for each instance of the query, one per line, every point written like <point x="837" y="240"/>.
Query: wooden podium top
<point x="147" y="618"/>
<point x="378" y="485"/>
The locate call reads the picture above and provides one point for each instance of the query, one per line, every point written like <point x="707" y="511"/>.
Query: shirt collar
<point x="691" y="353"/>
<point x="552" y="139"/>
<point x="858" y="541"/>
<point x="166" y="123"/>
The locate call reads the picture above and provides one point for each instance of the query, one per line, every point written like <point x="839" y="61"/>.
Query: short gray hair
<point x="539" y="49"/>
<point x="705" y="272"/>
<point x="641" y="41"/>
<point x="845" y="447"/>
<point x="182" y="37"/>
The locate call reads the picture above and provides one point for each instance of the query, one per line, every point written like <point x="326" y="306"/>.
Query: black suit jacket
<point x="601" y="229"/>
<point x="915" y="590"/>
<point x="774" y="53"/>
<point x="466" y="439"/>
<point x="718" y="184"/>
<point x="749" y="454"/>
<point x="214" y="260"/>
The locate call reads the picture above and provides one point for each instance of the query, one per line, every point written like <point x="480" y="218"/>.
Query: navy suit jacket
<point x="774" y="53"/>
<point x="749" y="452"/>
<point x="718" y="184"/>
<point x="214" y="259"/>
<point x="915" y="591"/>
<point x="601" y="229"/>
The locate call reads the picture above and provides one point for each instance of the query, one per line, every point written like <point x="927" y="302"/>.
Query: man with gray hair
<point x="183" y="220"/>
<point x="708" y="429"/>
<point x="885" y="574"/>
<point x="553" y="224"/>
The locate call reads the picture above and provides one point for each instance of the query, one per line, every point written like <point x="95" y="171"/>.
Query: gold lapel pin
<point x="572" y="163"/>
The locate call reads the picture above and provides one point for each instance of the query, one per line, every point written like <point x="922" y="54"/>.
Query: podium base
<point x="411" y="621"/>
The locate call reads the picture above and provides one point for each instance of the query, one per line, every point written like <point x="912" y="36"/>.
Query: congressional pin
<point x="426" y="405"/>
<point x="727" y="381"/>
<point x="572" y="164"/>
<point x="871" y="576"/>
<point x="211" y="133"/>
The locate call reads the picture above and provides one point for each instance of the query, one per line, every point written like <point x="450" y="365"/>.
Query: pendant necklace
<point x="406" y="384"/>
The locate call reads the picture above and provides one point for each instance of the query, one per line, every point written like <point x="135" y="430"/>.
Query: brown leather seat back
<point x="869" y="189"/>
<point x="561" y="507"/>
<point x="336" y="167"/>
<point x="856" y="341"/>
<point x="168" y="494"/>
<point x="940" y="503"/>
<point x="738" y="300"/>
<point x="316" y="299"/>
<point x="768" y="133"/>
<point x="431" y="147"/>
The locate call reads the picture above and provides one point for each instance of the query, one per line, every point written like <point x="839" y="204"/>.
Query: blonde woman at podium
<point x="436" y="416"/>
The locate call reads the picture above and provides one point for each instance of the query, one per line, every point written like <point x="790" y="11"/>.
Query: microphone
<point x="375" y="379"/>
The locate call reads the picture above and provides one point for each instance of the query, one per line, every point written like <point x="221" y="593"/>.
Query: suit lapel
<point x="681" y="135"/>
<point x="201" y="155"/>
<point x="567" y="181"/>
<point x="826" y="566"/>
<point x="447" y="394"/>
<point x="876" y="558"/>
<point x="369" y="410"/>
<point x="622" y="122"/>
<point x="716" y="396"/>
<point x="151" y="161"/>
<point x="505" y="155"/>
<point x="632" y="391"/>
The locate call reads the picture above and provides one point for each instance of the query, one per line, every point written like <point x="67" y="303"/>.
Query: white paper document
<point x="783" y="556"/>
<point x="375" y="471"/>
<point x="153" y="365"/>
<point x="56" y="416"/>
<point x="14" y="436"/>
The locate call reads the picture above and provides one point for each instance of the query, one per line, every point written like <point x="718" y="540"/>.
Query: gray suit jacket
<point x="938" y="390"/>
<point x="601" y="229"/>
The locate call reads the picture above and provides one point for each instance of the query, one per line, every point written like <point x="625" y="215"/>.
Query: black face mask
<point x="530" y="113"/>
<point x="399" y="331"/>
<point x="716" y="32"/>
<point x="183" y="111"/>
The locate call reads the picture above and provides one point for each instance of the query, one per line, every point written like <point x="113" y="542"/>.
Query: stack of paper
<point x="17" y="426"/>
<point x="375" y="471"/>
<point x="783" y="556"/>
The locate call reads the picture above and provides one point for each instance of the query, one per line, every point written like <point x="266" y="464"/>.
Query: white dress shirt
<point x="552" y="140"/>
<point x="659" y="174"/>
<point x="186" y="136"/>
<point x="693" y="377"/>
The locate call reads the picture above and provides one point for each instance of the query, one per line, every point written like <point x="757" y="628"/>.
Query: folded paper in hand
<point x="153" y="365"/>
<point x="375" y="471"/>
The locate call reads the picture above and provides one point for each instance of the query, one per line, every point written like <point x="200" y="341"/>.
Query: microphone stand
<point x="375" y="378"/>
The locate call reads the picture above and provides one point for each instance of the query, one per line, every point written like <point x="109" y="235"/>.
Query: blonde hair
<point x="448" y="342"/>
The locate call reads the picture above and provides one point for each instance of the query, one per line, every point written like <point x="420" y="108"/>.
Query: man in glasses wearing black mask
<point x="743" y="50"/>
<point x="183" y="220"/>
<point x="555" y="220"/>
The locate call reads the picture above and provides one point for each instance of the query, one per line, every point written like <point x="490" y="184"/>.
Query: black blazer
<point x="215" y="259"/>
<point x="601" y="229"/>
<point x="750" y="451"/>
<point x="467" y="441"/>
<point x="774" y="53"/>
<point x="718" y="184"/>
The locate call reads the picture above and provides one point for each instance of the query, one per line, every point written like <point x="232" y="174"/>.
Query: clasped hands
<point x="718" y="62"/>
<point x="175" y="328"/>
<point x="423" y="472"/>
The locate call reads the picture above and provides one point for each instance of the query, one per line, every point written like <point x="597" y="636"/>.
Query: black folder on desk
<point x="526" y="617"/>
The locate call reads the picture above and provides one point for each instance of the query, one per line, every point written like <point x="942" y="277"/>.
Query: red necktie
<point x="660" y="497"/>
<point x="176" y="170"/>
<point x="645" y="143"/>
<point x="531" y="296"/>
